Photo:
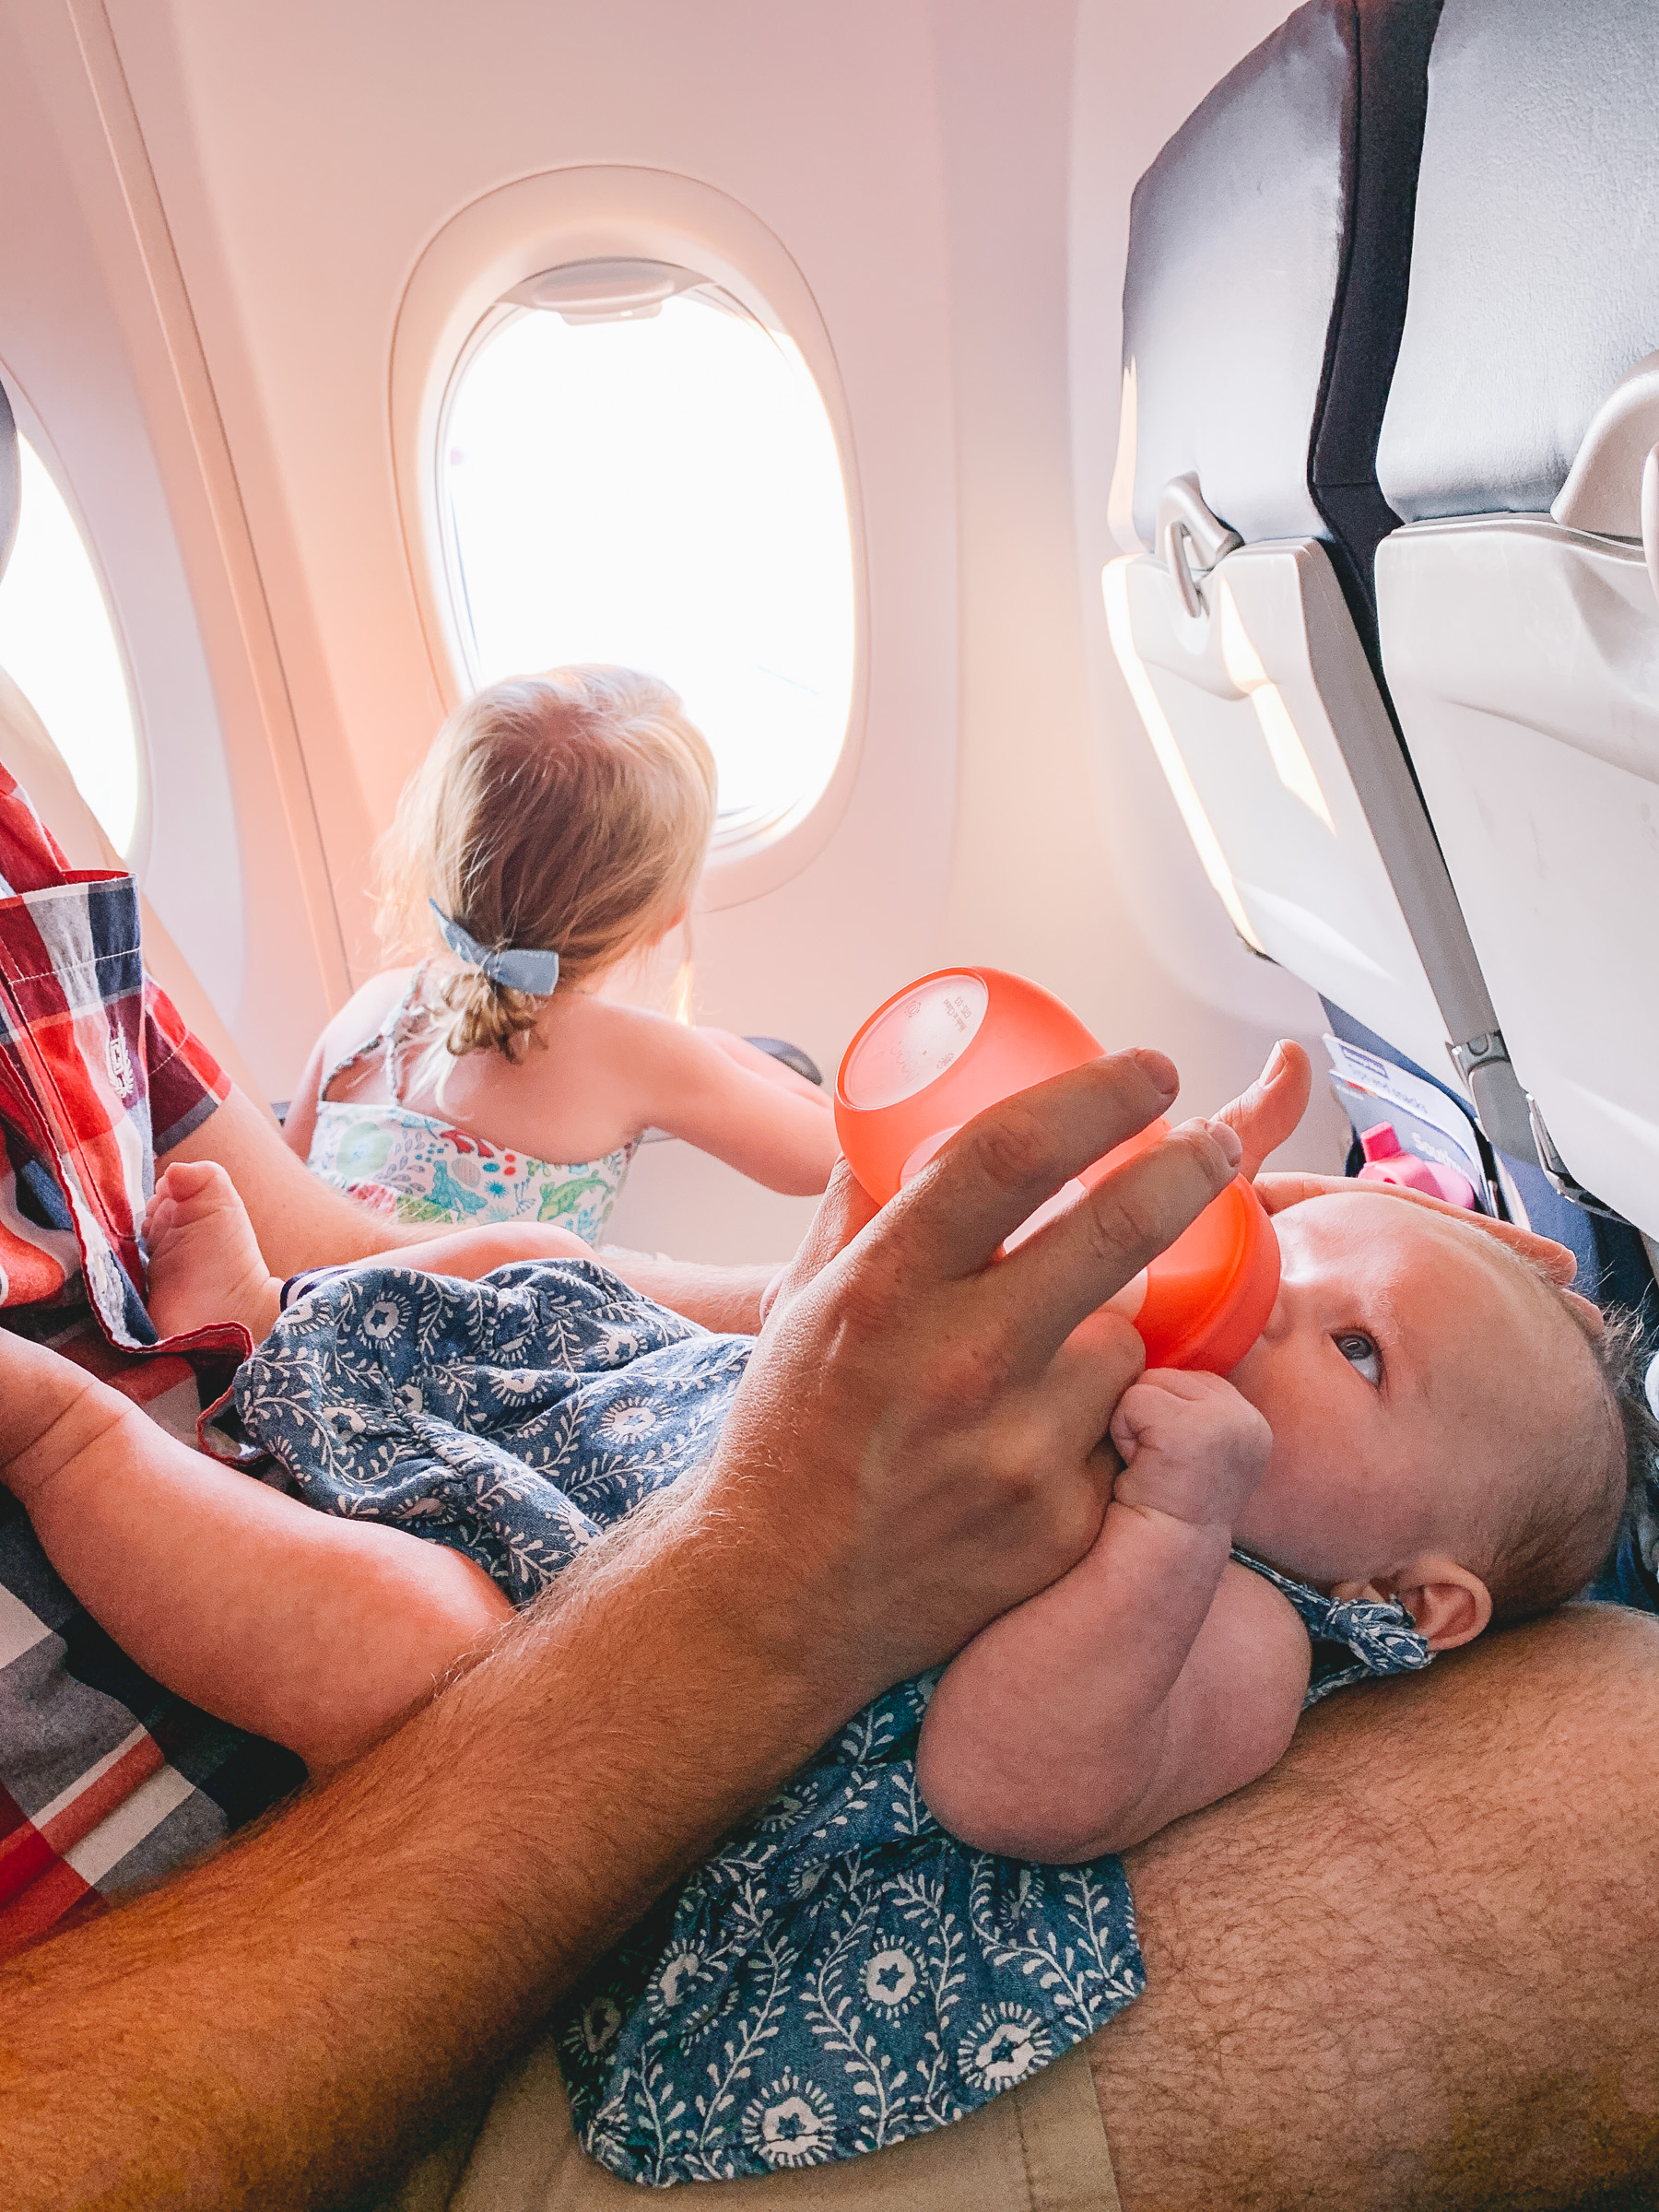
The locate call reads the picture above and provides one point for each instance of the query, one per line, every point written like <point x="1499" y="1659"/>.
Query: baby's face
<point x="1407" y="1364"/>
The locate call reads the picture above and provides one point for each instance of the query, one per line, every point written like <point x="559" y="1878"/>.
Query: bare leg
<point x="315" y="1631"/>
<point x="1419" y="1964"/>
<point x="205" y="1264"/>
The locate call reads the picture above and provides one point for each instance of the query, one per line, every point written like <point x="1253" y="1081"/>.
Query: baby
<point x="1426" y="1438"/>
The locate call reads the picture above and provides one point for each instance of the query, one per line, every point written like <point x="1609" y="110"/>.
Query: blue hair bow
<point x="534" y="974"/>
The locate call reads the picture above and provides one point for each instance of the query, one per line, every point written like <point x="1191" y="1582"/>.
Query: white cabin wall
<point x="266" y="125"/>
<point x="945" y="177"/>
<point x="1069" y="861"/>
<point x="95" y="343"/>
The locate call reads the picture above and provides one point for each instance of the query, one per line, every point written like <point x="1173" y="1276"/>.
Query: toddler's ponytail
<point x="566" y="813"/>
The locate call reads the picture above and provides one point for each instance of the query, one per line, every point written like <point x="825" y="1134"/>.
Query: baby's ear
<point x="1450" y="1604"/>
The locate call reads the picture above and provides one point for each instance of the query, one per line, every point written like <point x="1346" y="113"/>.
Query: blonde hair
<point x="569" y="812"/>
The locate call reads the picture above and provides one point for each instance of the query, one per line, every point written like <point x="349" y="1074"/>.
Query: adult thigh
<point x="1419" y="1964"/>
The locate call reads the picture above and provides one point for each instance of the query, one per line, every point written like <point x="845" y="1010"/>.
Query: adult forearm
<point x="276" y="2026"/>
<point x="300" y="1220"/>
<point x="727" y="1300"/>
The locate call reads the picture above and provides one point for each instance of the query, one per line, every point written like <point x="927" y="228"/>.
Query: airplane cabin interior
<point x="1158" y="506"/>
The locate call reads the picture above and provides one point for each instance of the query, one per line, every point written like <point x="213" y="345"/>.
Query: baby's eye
<point x="1360" y="1352"/>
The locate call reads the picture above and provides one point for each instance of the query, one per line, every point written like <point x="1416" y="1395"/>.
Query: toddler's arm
<point x="1153" y="1678"/>
<point x="780" y="1130"/>
<point x="766" y="1065"/>
<point x="315" y="1631"/>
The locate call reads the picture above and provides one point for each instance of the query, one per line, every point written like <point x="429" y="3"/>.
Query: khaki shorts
<point x="1040" y="2147"/>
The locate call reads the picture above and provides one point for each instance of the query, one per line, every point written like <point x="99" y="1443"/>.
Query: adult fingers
<point x="1292" y="1187"/>
<point x="1099" y="1360"/>
<point x="1269" y="1111"/>
<point x="1279" y="1192"/>
<point x="994" y="1174"/>
<point x="1076" y="1262"/>
<point x="843" y="1211"/>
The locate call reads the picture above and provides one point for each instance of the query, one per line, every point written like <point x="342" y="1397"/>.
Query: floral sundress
<point x="420" y="1170"/>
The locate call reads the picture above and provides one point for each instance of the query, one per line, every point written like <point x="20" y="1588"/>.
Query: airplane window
<point x="637" y="470"/>
<point x="58" y="644"/>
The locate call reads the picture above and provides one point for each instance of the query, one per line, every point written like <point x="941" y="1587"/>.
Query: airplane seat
<point x="1517" y="615"/>
<point x="1265" y="292"/>
<point x="1614" y="1264"/>
<point x="29" y="755"/>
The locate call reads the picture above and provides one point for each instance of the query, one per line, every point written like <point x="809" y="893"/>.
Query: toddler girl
<point x="557" y="828"/>
<point x="1426" y="1438"/>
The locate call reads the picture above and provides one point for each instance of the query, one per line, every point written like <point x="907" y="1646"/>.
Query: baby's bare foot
<point x="205" y="1262"/>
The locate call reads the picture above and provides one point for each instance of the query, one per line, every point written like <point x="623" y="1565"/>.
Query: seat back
<point x="1269" y="245"/>
<point x="1518" y="623"/>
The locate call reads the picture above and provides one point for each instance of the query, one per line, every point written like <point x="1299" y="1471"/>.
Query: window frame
<point x="32" y="431"/>
<point x="456" y="300"/>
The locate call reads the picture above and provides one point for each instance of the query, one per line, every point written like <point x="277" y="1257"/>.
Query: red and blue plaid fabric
<point x="98" y="1073"/>
<point x="106" y="1779"/>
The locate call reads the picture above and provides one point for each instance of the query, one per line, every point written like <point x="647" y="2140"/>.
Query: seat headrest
<point x="1236" y="238"/>
<point x="1534" y="283"/>
<point x="1265" y="286"/>
<point x="11" y="487"/>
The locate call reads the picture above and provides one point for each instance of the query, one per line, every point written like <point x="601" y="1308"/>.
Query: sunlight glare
<point x="59" y="646"/>
<point x="664" y="493"/>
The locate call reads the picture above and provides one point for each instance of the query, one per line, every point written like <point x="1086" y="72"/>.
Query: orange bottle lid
<point x="955" y="1042"/>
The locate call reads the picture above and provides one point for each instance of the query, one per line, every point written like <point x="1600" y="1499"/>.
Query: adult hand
<point x="1269" y="1113"/>
<point x="844" y="1210"/>
<point x="1262" y="1119"/>
<point x="920" y="1436"/>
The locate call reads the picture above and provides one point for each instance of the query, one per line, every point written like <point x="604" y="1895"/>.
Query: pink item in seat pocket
<point x="1387" y="1160"/>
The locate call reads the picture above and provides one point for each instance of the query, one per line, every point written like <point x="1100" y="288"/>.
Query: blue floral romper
<point x="842" y="1974"/>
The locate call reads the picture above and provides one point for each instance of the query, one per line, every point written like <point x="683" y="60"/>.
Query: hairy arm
<point x="277" y="2025"/>
<point x="1152" y="1679"/>
<point x="272" y="2028"/>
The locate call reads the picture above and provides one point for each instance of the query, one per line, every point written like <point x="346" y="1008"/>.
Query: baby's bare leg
<point x="206" y="1266"/>
<point x="315" y="1631"/>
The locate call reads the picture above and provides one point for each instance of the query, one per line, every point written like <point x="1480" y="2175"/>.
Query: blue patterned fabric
<point x="1352" y="1638"/>
<point x="842" y="1974"/>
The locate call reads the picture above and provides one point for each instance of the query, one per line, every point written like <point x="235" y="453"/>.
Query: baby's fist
<point x="1191" y="1446"/>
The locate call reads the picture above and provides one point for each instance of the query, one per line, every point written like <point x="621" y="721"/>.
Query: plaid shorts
<point x="106" y="1779"/>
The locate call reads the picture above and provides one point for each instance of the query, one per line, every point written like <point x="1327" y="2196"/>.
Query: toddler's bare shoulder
<point x="365" y="1011"/>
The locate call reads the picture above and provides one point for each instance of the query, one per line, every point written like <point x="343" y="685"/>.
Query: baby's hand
<point x="1191" y="1446"/>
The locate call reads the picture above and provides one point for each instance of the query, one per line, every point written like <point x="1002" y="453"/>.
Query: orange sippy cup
<point x="945" y="1048"/>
